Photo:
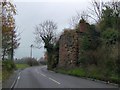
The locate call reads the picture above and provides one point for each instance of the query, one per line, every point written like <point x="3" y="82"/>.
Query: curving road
<point x="40" y="77"/>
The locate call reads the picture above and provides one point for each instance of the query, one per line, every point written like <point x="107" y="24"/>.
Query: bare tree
<point x="74" y="21"/>
<point x="96" y="11"/>
<point x="115" y="5"/>
<point x="45" y="32"/>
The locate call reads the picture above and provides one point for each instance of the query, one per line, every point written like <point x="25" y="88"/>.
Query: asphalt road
<point x="40" y="77"/>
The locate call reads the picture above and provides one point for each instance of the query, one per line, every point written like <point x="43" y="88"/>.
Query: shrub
<point x="110" y="36"/>
<point x="32" y="61"/>
<point x="8" y="65"/>
<point x="43" y="62"/>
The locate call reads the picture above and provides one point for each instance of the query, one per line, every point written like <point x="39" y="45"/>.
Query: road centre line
<point x="54" y="81"/>
<point x="40" y="73"/>
<point x="47" y="77"/>
<point x="43" y="75"/>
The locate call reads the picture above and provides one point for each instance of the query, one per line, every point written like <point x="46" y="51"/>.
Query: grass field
<point x="22" y="66"/>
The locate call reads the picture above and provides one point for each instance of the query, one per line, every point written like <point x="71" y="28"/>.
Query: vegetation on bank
<point x="99" y="46"/>
<point x="10" y="38"/>
<point x="8" y="66"/>
<point x="94" y="74"/>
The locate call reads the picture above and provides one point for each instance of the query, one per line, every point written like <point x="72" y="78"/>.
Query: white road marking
<point x="19" y="73"/>
<point x="43" y="75"/>
<point x="46" y="76"/>
<point x="16" y="80"/>
<point x="40" y="73"/>
<point x="18" y="77"/>
<point x="54" y="81"/>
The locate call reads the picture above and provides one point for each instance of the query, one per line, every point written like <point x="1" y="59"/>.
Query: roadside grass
<point x="0" y="76"/>
<point x="93" y="74"/>
<point x="8" y="67"/>
<point x="22" y="66"/>
<point x="75" y="72"/>
<point x="6" y="74"/>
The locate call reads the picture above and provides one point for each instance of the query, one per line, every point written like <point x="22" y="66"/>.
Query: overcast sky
<point x="33" y="12"/>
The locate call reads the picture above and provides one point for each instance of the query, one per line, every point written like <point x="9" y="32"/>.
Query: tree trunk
<point x="3" y="56"/>
<point x="12" y="49"/>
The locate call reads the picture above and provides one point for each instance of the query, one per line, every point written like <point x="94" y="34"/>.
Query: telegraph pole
<point x="31" y="46"/>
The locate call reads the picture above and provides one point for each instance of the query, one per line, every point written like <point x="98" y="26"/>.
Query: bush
<point x="8" y="65"/>
<point x="32" y="61"/>
<point x="85" y="43"/>
<point x="43" y="62"/>
<point x="110" y="36"/>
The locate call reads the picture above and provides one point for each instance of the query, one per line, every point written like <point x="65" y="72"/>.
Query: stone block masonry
<point x="68" y="49"/>
<point x="69" y="45"/>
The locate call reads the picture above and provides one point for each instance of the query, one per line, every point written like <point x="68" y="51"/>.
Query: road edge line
<point x="12" y="86"/>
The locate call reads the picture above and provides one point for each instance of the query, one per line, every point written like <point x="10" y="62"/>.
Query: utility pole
<point x="31" y="50"/>
<point x="31" y="46"/>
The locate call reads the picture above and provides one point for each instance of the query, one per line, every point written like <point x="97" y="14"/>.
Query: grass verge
<point x="94" y="74"/>
<point x="8" y="67"/>
<point x="6" y="74"/>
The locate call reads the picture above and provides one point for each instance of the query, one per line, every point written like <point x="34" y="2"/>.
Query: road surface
<point x="40" y="77"/>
